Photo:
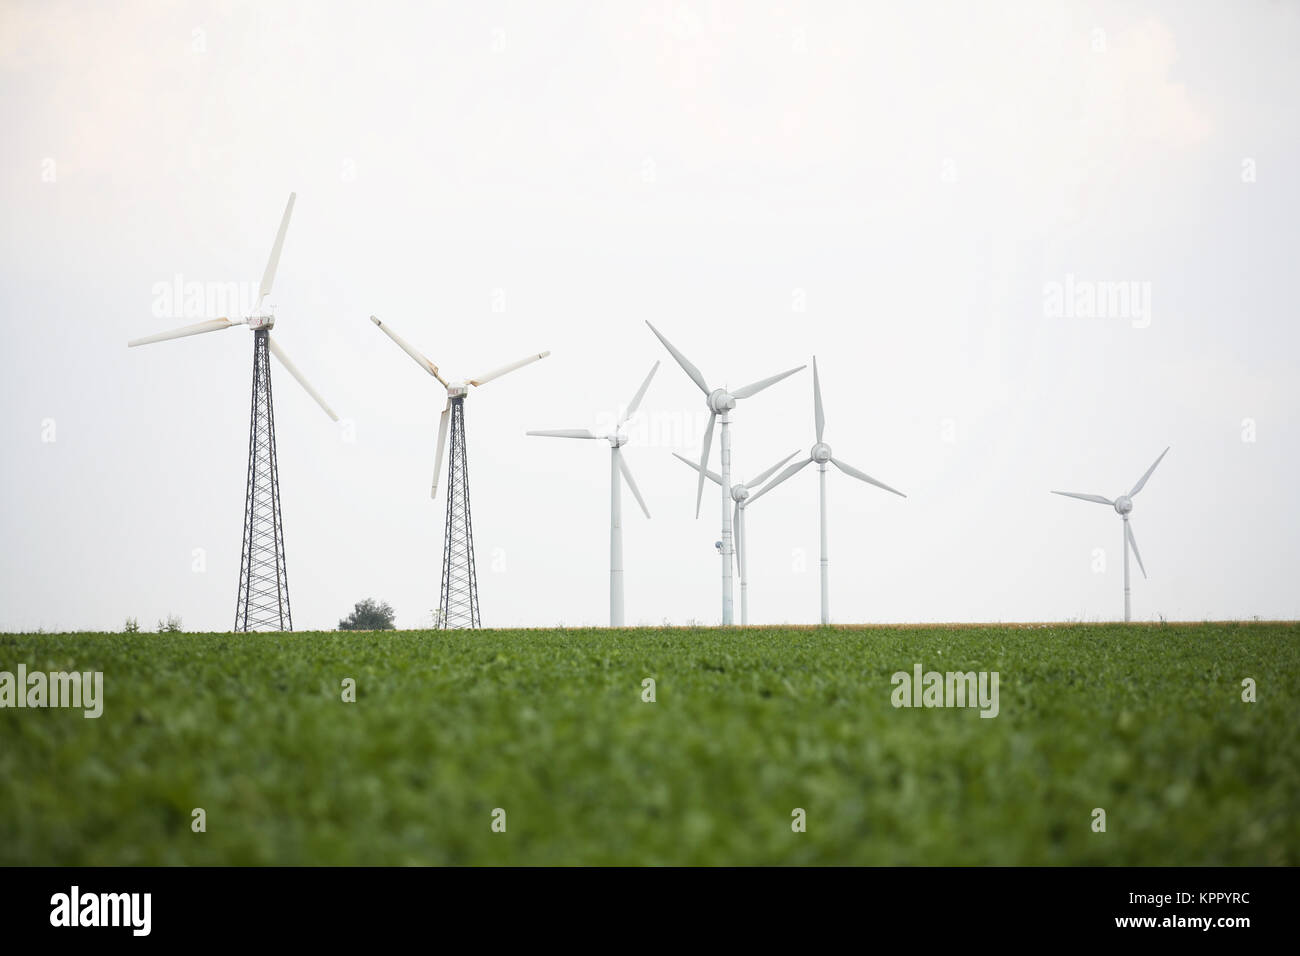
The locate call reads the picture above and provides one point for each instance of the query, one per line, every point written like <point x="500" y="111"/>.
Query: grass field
<point x="1144" y="721"/>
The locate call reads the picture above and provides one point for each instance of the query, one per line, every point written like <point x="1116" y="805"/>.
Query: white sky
<point x="913" y="174"/>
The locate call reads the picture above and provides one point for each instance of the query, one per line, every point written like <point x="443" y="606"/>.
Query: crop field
<point x="552" y="727"/>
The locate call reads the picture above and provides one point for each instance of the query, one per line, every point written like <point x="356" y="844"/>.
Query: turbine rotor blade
<point x="631" y="483"/>
<point x="793" y="469"/>
<point x="293" y="370"/>
<point x="762" y="477"/>
<point x="410" y="350"/>
<point x="863" y="476"/>
<point x="505" y="369"/>
<point x="273" y="263"/>
<point x="1097" y="498"/>
<point x="704" y="463"/>
<point x="1143" y="480"/>
<point x="683" y="361"/>
<point x="442" y="445"/>
<point x="755" y="387"/>
<point x="1132" y="541"/>
<point x="563" y="433"/>
<point x="636" y="399"/>
<point x="713" y="475"/>
<point x="197" y="328"/>
<point x="817" y="401"/>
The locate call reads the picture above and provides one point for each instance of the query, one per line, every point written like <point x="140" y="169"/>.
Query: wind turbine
<point x="720" y="402"/>
<point x="1123" y="505"/>
<point x="821" y="453"/>
<point x="740" y="495"/>
<point x="459" y="579"/>
<point x="618" y="472"/>
<point x="263" y="599"/>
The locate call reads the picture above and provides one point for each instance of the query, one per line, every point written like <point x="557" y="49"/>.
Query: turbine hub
<point x="617" y="439"/>
<point x="739" y="492"/>
<point x="720" y="401"/>
<point x="1123" y="504"/>
<point x="821" y="453"/>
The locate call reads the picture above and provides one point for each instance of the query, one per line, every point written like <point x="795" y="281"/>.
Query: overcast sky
<point x="929" y="197"/>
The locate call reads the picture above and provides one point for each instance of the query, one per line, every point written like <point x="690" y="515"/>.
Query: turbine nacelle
<point x="820" y="453"/>
<point x="1124" y="504"/>
<point x="720" y="400"/>
<point x="256" y="322"/>
<point x="457" y="389"/>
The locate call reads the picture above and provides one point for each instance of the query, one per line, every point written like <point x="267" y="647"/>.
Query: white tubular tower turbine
<point x="821" y="453"/>
<point x="1123" y="506"/>
<point x="618" y="473"/>
<point x="720" y="402"/>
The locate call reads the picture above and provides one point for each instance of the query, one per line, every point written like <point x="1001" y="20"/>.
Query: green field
<point x="1145" y="721"/>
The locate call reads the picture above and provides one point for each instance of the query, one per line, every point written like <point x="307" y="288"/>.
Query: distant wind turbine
<point x="263" y="597"/>
<point x="821" y="453"/>
<point x="720" y="403"/>
<point x="459" y="607"/>
<point x="618" y="472"/>
<point x="1123" y="505"/>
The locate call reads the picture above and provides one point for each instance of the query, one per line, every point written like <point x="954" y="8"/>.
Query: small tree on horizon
<point x="369" y="615"/>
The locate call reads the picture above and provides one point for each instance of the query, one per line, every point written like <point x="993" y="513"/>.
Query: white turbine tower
<point x="1123" y="505"/>
<point x="720" y="403"/>
<point x="821" y="453"/>
<point x="618" y="472"/>
<point x="740" y="495"/>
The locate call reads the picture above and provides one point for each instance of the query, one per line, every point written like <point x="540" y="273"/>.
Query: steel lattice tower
<point x="459" y="597"/>
<point x="459" y="580"/>
<point x="263" y="602"/>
